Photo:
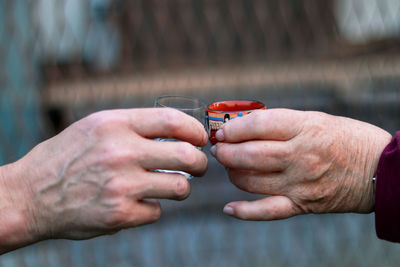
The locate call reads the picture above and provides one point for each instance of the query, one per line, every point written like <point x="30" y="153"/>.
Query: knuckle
<point x="114" y="219"/>
<point x="112" y="155"/>
<point x="313" y="167"/>
<point x="104" y="122"/>
<point x="250" y="154"/>
<point x="285" y="151"/>
<point x="96" y="117"/>
<point x="187" y="155"/>
<point x="156" y="213"/>
<point x="172" y="119"/>
<point x="284" y="156"/>
<point x="257" y="123"/>
<point x="258" y="114"/>
<point x="182" y="188"/>
<point x="114" y="188"/>
<point x="204" y="164"/>
<point x="316" y="120"/>
<point x="258" y="117"/>
<point x="223" y="154"/>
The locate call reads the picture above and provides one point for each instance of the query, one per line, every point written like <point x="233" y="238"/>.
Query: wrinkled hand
<point x="95" y="177"/>
<point x="308" y="162"/>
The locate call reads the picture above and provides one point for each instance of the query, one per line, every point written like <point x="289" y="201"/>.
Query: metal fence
<point x="61" y="60"/>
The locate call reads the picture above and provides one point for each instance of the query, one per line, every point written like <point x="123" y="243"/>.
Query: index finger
<point x="168" y="123"/>
<point x="272" y="124"/>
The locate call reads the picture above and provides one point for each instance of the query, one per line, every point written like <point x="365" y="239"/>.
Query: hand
<point x="308" y="162"/>
<point x="96" y="176"/>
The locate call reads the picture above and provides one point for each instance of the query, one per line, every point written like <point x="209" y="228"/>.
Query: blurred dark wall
<point x="20" y="117"/>
<point x="180" y="33"/>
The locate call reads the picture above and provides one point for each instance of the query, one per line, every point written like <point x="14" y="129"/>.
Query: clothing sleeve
<point x="387" y="195"/>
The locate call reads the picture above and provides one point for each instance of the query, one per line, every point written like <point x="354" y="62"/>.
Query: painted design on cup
<point x="220" y="112"/>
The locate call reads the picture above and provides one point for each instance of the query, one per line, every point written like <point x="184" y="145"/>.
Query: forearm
<point x="16" y="223"/>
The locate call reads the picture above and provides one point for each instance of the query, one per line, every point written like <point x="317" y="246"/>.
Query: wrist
<point x="382" y="139"/>
<point x="16" y="220"/>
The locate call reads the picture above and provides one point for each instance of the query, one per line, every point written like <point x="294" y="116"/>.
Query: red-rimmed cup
<point x="220" y="112"/>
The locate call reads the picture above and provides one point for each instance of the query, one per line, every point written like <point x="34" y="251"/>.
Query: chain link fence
<point x="61" y="60"/>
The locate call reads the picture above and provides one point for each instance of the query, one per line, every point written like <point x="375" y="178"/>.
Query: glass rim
<point x="191" y="98"/>
<point x="211" y="109"/>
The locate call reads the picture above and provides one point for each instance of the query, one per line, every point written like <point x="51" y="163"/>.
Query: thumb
<point x="266" y="209"/>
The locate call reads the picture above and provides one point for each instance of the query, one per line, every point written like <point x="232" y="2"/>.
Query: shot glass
<point x="189" y="105"/>
<point x="220" y="112"/>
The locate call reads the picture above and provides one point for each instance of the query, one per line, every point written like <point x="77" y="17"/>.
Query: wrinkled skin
<point x="307" y="162"/>
<point x="96" y="177"/>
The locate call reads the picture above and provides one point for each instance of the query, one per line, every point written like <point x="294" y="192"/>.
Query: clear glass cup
<point x="189" y="105"/>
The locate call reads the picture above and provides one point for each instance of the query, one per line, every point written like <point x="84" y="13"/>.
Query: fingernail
<point x="213" y="150"/>
<point x="228" y="210"/>
<point x="220" y="135"/>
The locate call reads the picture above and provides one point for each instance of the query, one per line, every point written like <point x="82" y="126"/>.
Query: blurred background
<point x="61" y="60"/>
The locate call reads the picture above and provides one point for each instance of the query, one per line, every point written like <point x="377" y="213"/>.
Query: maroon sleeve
<point x="387" y="196"/>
